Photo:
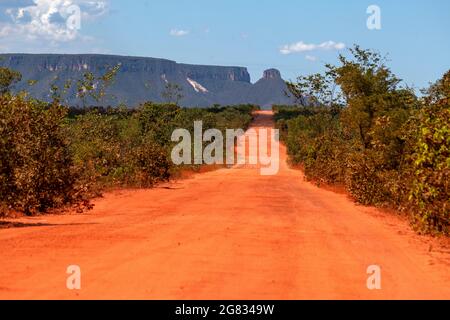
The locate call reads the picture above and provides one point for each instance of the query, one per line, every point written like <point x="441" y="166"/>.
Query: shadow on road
<point x="14" y="225"/>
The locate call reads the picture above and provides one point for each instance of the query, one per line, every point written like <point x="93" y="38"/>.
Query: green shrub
<point x="385" y="146"/>
<point x="118" y="150"/>
<point x="36" y="169"/>
<point x="312" y="138"/>
<point x="51" y="156"/>
<point x="117" y="147"/>
<point x="431" y="162"/>
<point x="152" y="164"/>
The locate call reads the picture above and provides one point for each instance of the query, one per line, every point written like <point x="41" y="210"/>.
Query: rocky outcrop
<point x="272" y="74"/>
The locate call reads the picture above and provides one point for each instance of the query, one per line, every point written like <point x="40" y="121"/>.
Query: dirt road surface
<point x="227" y="234"/>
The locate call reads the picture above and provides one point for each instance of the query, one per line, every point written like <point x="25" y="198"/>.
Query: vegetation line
<point x="53" y="156"/>
<point x="361" y="129"/>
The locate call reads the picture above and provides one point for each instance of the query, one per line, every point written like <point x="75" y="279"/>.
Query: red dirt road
<point x="227" y="234"/>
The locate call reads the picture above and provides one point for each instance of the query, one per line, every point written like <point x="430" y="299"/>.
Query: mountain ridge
<point x="143" y="79"/>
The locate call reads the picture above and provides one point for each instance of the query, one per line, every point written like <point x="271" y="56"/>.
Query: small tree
<point x="96" y="87"/>
<point x="370" y="90"/>
<point x="316" y="89"/>
<point x="8" y="78"/>
<point x="172" y="93"/>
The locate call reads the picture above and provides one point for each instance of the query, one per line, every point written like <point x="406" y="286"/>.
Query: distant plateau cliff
<point x="144" y="79"/>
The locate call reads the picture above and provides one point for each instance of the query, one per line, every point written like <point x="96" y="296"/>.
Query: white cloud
<point x="178" y="33"/>
<point x="308" y="47"/>
<point x="29" y="23"/>
<point x="311" y="58"/>
<point x="331" y="45"/>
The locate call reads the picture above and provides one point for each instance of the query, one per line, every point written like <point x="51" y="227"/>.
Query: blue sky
<point x="415" y="34"/>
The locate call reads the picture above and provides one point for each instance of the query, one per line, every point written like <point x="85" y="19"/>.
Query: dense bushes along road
<point x="361" y="130"/>
<point x="380" y="141"/>
<point x="52" y="156"/>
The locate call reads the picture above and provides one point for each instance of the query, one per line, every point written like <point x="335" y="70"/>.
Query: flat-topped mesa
<point x="272" y="74"/>
<point x="143" y="79"/>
